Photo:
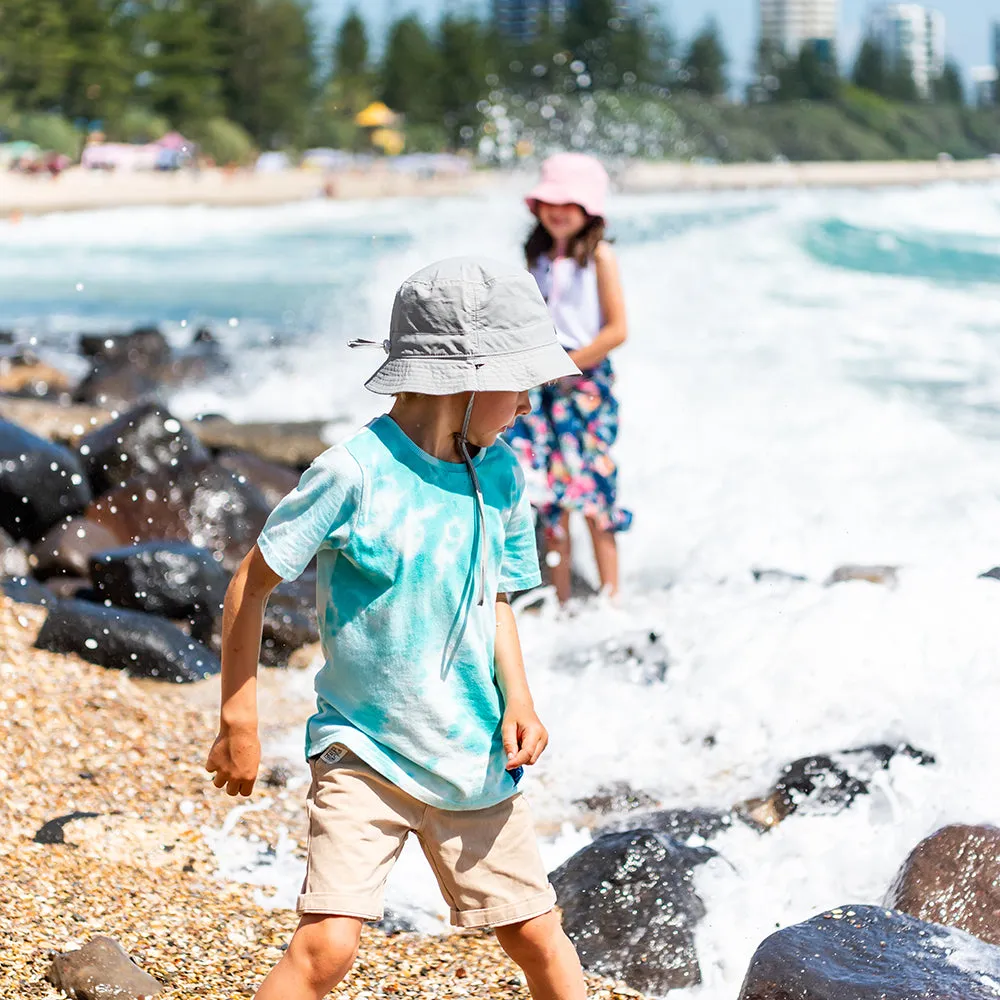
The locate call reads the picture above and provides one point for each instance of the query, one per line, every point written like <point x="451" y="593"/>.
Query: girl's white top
<point x="571" y="294"/>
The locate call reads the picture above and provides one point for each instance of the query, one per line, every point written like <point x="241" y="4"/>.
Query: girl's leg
<point x="606" y="554"/>
<point x="321" y="953"/>
<point x="546" y="956"/>
<point x="558" y="542"/>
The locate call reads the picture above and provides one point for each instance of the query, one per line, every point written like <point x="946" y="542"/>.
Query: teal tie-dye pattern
<point x="409" y="682"/>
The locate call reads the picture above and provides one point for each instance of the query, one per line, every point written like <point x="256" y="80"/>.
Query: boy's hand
<point x="234" y="760"/>
<point x="524" y="736"/>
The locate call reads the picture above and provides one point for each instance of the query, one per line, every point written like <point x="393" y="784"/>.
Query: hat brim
<point x="496" y="373"/>
<point x="555" y="194"/>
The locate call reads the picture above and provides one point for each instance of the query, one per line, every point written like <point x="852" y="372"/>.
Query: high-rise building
<point x="996" y="44"/>
<point x="914" y="34"/>
<point x="984" y="85"/>
<point x="788" y="24"/>
<point x="521" y="20"/>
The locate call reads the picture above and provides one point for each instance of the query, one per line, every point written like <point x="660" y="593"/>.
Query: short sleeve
<point x="519" y="569"/>
<point x="318" y="513"/>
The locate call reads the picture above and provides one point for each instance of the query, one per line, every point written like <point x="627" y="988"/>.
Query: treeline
<point x="242" y="74"/>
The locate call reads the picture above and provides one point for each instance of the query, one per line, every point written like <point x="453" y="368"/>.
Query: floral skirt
<point x="564" y="446"/>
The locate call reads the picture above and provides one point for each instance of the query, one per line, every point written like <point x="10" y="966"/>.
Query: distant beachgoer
<point x="567" y="438"/>
<point x="424" y="718"/>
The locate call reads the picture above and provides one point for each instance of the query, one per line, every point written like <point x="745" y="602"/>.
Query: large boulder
<point x="40" y="483"/>
<point x="171" y="579"/>
<point x="630" y="909"/>
<point x="144" y="349"/>
<point x="66" y="548"/>
<point x="687" y="826"/>
<point x="25" y="590"/>
<point x="826" y="784"/>
<point x="101" y="970"/>
<point x="23" y="374"/>
<point x="203" y="504"/>
<point x="953" y="878"/>
<point x="869" y="953"/>
<point x="142" y="644"/>
<point x="116" y="388"/>
<point x="274" y="481"/>
<point x="144" y="441"/>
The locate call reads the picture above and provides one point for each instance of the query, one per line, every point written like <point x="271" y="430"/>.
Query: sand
<point x="78" y="738"/>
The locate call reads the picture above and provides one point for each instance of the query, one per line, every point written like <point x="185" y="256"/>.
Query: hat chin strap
<point x="462" y="440"/>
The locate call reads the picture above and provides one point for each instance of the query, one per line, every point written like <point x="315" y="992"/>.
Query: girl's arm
<point x="615" y="330"/>
<point x="524" y="736"/>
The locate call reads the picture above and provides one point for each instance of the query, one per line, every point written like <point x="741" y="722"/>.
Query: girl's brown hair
<point x="582" y="247"/>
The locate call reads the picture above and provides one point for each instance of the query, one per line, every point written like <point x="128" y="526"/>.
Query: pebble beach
<point x="78" y="738"/>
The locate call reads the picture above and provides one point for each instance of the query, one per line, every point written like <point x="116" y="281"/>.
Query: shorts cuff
<point x="509" y="913"/>
<point x="336" y="905"/>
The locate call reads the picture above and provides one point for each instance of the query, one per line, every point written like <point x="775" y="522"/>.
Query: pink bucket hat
<point x="571" y="179"/>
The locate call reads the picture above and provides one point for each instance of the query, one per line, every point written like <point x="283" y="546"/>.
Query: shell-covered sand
<point x="78" y="738"/>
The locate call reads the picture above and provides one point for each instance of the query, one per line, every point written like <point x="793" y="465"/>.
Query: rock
<point x="641" y="658"/>
<point x="618" y="797"/>
<point x="630" y="909"/>
<point x="686" y="826"/>
<point x="116" y="388"/>
<point x="22" y="375"/>
<point x="885" y="575"/>
<point x="63" y="423"/>
<point x="101" y="970"/>
<point x="292" y="444"/>
<point x="285" y="630"/>
<point x="394" y="923"/>
<point x="278" y="776"/>
<point x="25" y="590"/>
<point x="826" y="784"/>
<point x="991" y="574"/>
<point x="143" y="441"/>
<point x="777" y="576"/>
<point x="144" y="349"/>
<point x="66" y="548"/>
<point x="274" y="481"/>
<point x="63" y="587"/>
<point x="202" y="504"/>
<point x="13" y="559"/>
<point x="953" y="878"/>
<point x="868" y="953"/>
<point x="40" y="483"/>
<point x="142" y="644"/>
<point x="170" y="579"/>
<point x="52" y="832"/>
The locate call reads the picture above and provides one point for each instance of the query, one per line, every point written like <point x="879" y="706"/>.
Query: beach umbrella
<point x="376" y="115"/>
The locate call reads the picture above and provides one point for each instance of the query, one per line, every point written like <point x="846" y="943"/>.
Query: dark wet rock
<point x="40" y="483"/>
<point x="116" y="388"/>
<point x="204" y="504"/>
<point x="991" y="574"/>
<point x="274" y="481"/>
<point x="171" y="579"/>
<point x="777" y="576"/>
<point x="278" y="776"/>
<point x="145" y="440"/>
<point x="953" y="878"/>
<point x="142" y="644"/>
<point x="13" y="557"/>
<point x="617" y="797"/>
<point x="641" y="658"/>
<point x="630" y="909"/>
<point x="682" y="825"/>
<point x="884" y="575"/>
<point x="63" y="587"/>
<point x="53" y="831"/>
<point x="101" y="970"/>
<point x="868" y="953"/>
<point x="826" y="784"/>
<point x="25" y="590"/>
<point x="6" y="336"/>
<point x="292" y="444"/>
<point x="143" y="349"/>
<point x="394" y="923"/>
<point x="66" y="548"/>
<point x="285" y="630"/>
<point x="203" y="335"/>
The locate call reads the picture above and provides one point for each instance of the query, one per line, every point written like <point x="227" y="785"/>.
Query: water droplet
<point x="171" y="425"/>
<point x="91" y="643"/>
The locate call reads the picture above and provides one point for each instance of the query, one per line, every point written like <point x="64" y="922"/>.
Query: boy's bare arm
<point x="235" y="755"/>
<point x="524" y="736"/>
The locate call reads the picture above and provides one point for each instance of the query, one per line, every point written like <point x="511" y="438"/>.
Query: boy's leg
<point x="546" y="956"/>
<point x="321" y="953"/>
<point x="606" y="555"/>
<point x="560" y="570"/>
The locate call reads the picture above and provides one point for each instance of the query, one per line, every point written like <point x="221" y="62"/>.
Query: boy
<point x="424" y="720"/>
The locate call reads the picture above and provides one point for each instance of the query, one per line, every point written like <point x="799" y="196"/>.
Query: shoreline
<point x="78" y="190"/>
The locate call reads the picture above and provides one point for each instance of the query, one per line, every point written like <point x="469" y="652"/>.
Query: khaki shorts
<point x="486" y="860"/>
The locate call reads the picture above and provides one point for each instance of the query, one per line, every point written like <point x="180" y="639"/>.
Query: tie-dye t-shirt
<point x="409" y="683"/>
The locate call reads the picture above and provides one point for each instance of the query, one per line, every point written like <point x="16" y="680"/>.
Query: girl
<point x="573" y="423"/>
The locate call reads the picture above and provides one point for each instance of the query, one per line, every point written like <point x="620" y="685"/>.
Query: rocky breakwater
<point x="127" y="526"/>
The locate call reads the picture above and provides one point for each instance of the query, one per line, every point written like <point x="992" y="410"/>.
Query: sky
<point x="968" y="23"/>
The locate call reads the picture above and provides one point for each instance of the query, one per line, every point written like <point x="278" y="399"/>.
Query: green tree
<point x="36" y="52"/>
<point x="410" y="72"/>
<point x="465" y="64"/>
<point x="704" y="68"/>
<point x="869" y="67"/>
<point x="817" y="72"/>
<point x="947" y="88"/>
<point x="350" y="49"/>
<point x="900" y="84"/>
<point x="588" y="35"/>
<point x="178" y="61"/>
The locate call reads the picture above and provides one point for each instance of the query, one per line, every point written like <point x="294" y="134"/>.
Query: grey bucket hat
<point x="469" y="324"/>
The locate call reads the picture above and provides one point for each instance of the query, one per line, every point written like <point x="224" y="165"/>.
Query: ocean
<point x="812" y="379"/>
